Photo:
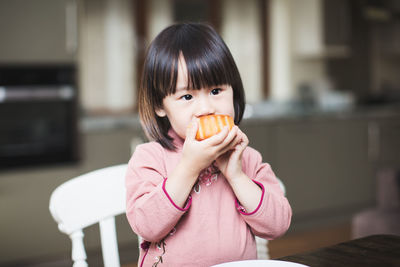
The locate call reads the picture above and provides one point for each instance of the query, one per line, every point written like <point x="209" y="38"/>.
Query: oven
<point x="38" y="115"/>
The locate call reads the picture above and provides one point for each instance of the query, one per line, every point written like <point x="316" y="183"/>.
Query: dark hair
<point x="209" y="63"/>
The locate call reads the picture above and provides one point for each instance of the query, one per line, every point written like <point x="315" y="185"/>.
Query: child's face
<point x="186" y="104"/>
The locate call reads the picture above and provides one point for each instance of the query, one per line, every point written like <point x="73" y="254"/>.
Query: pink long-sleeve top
<point x="212" y="227"/>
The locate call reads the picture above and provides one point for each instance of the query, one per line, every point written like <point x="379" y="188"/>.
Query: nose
<point x="204" y="106"/>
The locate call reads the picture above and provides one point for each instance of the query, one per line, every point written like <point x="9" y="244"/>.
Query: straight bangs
<point x="208" y="61"/>
<point x="207" y="66"/>
<point x="165" y="74"/>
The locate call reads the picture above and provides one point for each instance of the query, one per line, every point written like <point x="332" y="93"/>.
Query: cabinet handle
<point x="37" y="93"/>
<point x="373" y="141"/>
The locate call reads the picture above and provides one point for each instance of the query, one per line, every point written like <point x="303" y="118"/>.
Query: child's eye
<point x="216" y="91"/>
<point x="187" y="97"/>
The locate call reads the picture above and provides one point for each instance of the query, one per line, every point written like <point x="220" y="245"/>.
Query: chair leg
<point x="78" y="249"/>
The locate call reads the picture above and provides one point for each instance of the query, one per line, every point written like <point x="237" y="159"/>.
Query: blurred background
<point x="323" y="108"/>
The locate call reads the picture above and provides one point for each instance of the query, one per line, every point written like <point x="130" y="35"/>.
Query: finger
<point x="226" y="149"/>
<point x="226" y="144"/>
<point x="245" y="139"/>
<point x="232" y="135"/>
<point x="243" y="143"/>
<point x="232" y="140"/>
<point x="229" y="149"/>
<point x="192" y="129"/>
<point x="218" y="138"/>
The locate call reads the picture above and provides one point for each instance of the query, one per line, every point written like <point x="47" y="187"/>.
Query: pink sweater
<point x="212" y="228"/>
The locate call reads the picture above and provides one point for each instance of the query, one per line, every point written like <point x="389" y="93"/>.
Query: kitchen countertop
<point x="264" y="112"/>
<point x="272" y="112"/>
<point x="110" y="122"/>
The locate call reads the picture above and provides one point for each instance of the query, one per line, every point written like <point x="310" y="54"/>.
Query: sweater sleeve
<point x="150" y="211"/>
<point x="272" y="217"/>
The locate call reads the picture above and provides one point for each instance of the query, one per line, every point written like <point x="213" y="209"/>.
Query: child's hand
<point x="200" y="154"/>
<point x="196" y="156"/>
<point x="230" y="163"/>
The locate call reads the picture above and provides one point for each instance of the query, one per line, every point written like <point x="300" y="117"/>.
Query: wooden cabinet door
<point x="324" y="165"/>
<point x="38" y="31"/>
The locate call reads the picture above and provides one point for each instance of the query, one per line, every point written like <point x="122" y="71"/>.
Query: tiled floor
<point x="304" y="241"/>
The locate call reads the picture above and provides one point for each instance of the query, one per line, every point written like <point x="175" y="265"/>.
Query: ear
<point x="161" y="112"/>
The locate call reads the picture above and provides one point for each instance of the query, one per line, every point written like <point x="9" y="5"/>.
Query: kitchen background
<point x="323" y="94"/>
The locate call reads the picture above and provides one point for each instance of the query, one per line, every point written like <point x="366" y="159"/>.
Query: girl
<point x="197" y="203"/>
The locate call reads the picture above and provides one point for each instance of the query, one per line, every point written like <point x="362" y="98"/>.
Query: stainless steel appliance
<point x="38" y="115"/>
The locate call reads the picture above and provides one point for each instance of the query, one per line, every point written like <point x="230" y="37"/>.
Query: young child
<point x="197" y="203"/>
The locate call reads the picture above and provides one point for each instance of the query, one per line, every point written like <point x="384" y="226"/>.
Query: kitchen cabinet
<point x="262" y="137"/>
<point x="384" y="142"/>
<point x="388" y="38"/>
<point x="321" y="28"/>
<point x="385" y="25"/>
<point x="328" y="162"/>
<point x="38" y="31"/>
<point x="336" y="23"/>
<point x="323" y="163"/>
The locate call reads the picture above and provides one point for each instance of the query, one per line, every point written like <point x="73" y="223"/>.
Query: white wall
<point x="159" y="15"/>
<point x="293" y="26"/>
<point x="281" y="88"/>
<point x="241" y="31"/>
<point x="306" y="47"/>
<point x="106" y="55"/>
<point x="37" y="32"/>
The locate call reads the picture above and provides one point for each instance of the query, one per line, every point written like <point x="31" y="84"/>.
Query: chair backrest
<point x="94" y="197"/>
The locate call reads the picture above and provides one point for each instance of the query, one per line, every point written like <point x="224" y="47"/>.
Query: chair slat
<point x="109" y="244"/>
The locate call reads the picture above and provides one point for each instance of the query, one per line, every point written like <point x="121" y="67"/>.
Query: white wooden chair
<point x="95" y="197"/>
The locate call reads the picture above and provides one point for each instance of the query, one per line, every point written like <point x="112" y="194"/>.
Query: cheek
<point x="179" y="121"/>
<point x="230" y="106"/>
<point x="232" y="109"/>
